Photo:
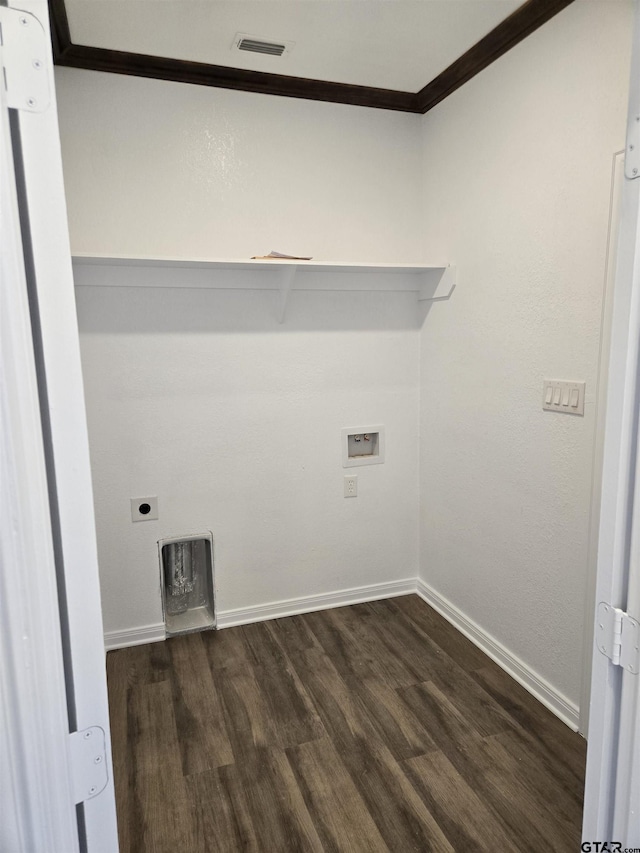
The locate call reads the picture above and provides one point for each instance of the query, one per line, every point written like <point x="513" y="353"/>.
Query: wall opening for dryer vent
<point x="187" y="584"/>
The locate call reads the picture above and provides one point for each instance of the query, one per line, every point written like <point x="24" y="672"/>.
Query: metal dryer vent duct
<point x="186" y="568"/>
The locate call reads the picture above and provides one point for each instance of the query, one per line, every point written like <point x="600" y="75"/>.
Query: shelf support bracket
<point x="437" y="284"/>
<point x="287" y="278"/>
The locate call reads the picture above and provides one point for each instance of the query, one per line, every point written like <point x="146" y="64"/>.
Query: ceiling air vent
<point x="256" y="45"/>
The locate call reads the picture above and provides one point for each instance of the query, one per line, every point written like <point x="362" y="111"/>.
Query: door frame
<point x="615" y="204"/>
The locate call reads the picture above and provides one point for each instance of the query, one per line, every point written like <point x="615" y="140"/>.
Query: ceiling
<point x="388" y="44"/>
<point x="394" y="54"/>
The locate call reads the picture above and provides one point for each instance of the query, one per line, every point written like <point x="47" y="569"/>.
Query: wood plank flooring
<point x="376" y="727"/>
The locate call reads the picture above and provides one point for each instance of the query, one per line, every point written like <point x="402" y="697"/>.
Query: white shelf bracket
<point x="437" y="283"/>
<point x="287" y="278"/>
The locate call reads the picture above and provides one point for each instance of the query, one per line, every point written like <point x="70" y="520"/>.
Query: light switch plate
<point x="561" y="396"/>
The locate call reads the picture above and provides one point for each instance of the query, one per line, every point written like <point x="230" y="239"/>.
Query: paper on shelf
<point x="278" y="256"/>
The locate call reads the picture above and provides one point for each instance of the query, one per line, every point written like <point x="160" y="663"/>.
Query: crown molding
<point x="510" y="32"/>
<point x="521" y="23"/>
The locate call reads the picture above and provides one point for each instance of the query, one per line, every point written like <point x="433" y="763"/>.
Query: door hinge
<point x="24" y="57"/>
<point x="88" y="763"/>
<point x="618" y="637"/>
<point x="632" y="152"/>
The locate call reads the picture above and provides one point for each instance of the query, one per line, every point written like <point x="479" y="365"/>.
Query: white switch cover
<point x="560" y="396"/>
<point x="351" y="486"/>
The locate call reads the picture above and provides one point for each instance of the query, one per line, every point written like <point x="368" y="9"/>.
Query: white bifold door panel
<point x="612" y="793"/>
<point x="56" y="779"/>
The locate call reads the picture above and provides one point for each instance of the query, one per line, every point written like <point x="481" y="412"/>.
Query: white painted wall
<point x="233" y="421"/>
<point x="200" y="397"/>
<point x="168" y="169"/>
<point x="517" y="168"/>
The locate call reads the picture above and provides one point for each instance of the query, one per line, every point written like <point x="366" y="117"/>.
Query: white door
<point x="56" y="781"/>
<point x="612" y="793"/>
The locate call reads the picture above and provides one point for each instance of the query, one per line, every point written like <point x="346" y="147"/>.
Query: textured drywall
<point x="517" y="169"/>
<point x="234" y="422"/>
<point x="168" y="169"/>
<point x="200" y="397"/>
<point x="515" y="173"/>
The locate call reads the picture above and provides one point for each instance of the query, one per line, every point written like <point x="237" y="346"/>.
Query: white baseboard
<point x="272" y="610"/>
<point x="322" y="601"/>
<point x="134" y="637"/>
<point x="517" y="669"/>
<point x="536" y="685"/>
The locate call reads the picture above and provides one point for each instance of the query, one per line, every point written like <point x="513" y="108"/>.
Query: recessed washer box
<point x="362" y="446"/>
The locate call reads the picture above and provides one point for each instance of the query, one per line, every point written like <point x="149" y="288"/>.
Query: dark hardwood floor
<point x="367" y="728"/>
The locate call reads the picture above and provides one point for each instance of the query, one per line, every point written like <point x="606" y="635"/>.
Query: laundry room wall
<point x="200" y="396"/>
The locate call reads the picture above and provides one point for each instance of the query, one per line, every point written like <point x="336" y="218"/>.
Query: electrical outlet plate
<point x="351" y="486"/>
<point x="144" y="509"/>
<point x="561" y="396"/>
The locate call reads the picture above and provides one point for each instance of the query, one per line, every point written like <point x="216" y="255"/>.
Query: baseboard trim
<point x="517" y="669"/>
<point x="272" y="610"/>
<point x="323" y="601"/>
<point x="536" y="685"/>
<point x="134" y="637"/>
